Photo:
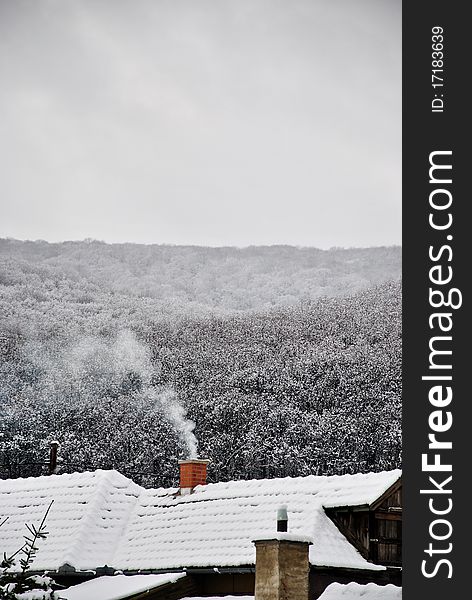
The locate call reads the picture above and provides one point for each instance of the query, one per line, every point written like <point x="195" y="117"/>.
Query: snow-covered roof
<point x="86" y="521"/>
<point x="216" y="524"/>
<point x="117" y="587"/>
<point x="356" y="591"/>
<point x="103" y="518"/>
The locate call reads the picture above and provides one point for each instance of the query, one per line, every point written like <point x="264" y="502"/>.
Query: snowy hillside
<point x="198" y="277"/>
<point x="132" y="381"/>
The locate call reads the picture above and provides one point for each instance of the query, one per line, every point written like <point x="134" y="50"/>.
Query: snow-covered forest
<point x="273" y="360"/>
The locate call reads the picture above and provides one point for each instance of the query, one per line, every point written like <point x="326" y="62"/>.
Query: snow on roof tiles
<point x="86" y="520"/>
<point x="104" y="518"/>
<point x="356" y="591"/>
<point x="215" y="526"/>
<point x="117" y="587"/>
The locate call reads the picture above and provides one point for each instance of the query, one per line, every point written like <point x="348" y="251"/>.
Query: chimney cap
<point x="198" y="461"/>
<point x="283" y="536"/>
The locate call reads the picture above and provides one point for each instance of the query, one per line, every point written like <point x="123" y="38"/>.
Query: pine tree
<point x="20" y="584"/>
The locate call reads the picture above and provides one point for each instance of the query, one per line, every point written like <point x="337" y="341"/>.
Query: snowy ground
<point x="356" y="591"/>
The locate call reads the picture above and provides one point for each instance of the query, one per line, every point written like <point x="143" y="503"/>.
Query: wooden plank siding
<point x="375" y="530"/>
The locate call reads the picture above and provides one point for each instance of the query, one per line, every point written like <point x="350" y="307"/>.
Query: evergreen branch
<point x="30" y="548"/>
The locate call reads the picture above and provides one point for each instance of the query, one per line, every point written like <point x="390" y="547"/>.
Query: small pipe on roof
<point x="282" y="519"/>
<point x="53" y="449"/>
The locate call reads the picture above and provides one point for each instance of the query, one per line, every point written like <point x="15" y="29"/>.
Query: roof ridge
<point x="299" y="477"/>
<point x="69" y="557"/>
<point x="126" y="521"/>
<point x="236" y="482"/>
<point x="92" y="515"/>
<point x="215" y="483"/>
<point x="55" y="476"/>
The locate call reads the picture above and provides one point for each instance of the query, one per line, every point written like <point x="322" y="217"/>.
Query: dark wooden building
<point x="374" y="529"/>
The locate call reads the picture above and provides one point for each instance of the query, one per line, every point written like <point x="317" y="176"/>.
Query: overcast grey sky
<point x="210" y="122"/>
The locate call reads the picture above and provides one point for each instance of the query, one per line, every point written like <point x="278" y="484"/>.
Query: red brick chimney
<point x="192" y="472"/>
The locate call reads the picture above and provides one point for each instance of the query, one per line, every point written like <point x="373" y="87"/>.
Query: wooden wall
<point x="375" y="531"/>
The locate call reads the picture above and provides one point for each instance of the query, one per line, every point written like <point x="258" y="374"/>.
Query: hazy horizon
<point x="241" y="247"/>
